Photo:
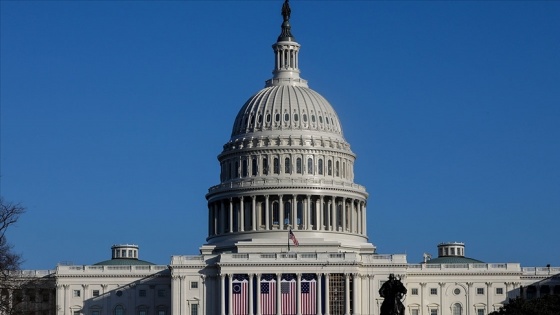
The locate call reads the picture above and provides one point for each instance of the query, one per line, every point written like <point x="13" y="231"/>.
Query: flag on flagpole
<point x="293" y="238"/>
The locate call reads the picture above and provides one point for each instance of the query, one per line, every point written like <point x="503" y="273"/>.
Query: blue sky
<point x="113" y="113"/>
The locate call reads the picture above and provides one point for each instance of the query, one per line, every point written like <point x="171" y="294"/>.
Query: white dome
<point x="286" y="108"/>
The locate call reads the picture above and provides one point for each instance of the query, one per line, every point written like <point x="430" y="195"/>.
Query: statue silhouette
<point x="392" y="291"/>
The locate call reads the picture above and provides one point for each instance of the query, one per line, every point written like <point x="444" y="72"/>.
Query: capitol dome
<point x="286" y="167"/>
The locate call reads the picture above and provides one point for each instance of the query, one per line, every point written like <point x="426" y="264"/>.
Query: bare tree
<point x="9" y="260"/>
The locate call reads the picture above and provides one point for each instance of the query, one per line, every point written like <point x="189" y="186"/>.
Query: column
<point x="241" y="214"/>
<point x="321" y="211"/>
<point x="319" y="300"/>
<point x="266" y="212"/>
<point x="254" y="212"/>
<point x="364" y="225"/>
<point x="357" y="293"/>
<point x="344" y="227"/>
<point x="422" y="293"/>
<point x="329" y="215"/>
<point x="441" y="296"/>
<point x="293" y="219"/>
<point x="335" y="214"/>
<point x="281" y="210"/>
<point x="469" y="295"/>
<point x="308" y="213"/>
<point x="202" y="305"/>
<point x="175" y="295"/>
<point x="230" y="215"/>
<point x="230" y="293"/>
<point x="489" y="294"/>
<point x="347" y="293"/>
<point x="278" y="294"/>
<point x="222" y="294"/>
<point x="251" y="289"/>
<point x="298" y="294"/>
<point x="258" y="294"/>
<point x="327" y="298"/>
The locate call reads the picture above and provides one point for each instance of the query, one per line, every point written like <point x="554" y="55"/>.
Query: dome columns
<point x="286" y="211"/>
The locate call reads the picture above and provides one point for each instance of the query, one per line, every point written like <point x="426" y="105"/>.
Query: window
<point x="142" y="293"/>
<point x="457" y="291"/>
<point x="433" y="291"/>
<point x="119" y="310"/>
<point x="287" y="166"/>
<point x="95" y="293"/>
<point x="265" y="166"/>
<point x="194" y="309"/>
<point x="499" y="290"/>
<point x="479" y="290"/>
<point x="329" y="167"/>
<point x="457" y="309"/>
<point x="142" y="311"/>
<point x="95" y="312"/>
<point x="309" y="166"/>
<point x="244" y="168"/>
<point x="480" y="311"/>
<point x="194" y="285"/>
<point x="433" y="312"/>
<point x="161" y="312"/>
<point x="320" y="167"/>
<point x="414" y="291"/>
<point x="161" y="293"/>
<point x="254" y="167"/>
<point x="336" y="169"/>
<point x="276" y="166"/>
<point x="298" y="166"/>
<point x="76" y="312"/>
<point x="77" y="293"/>
<point x="414" y="312"/>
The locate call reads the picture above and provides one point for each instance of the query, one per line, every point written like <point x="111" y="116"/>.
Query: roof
<point x="124" y="262"/>
<point x="454" y="260"/>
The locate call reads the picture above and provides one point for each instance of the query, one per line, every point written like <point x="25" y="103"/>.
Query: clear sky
<point x="113" y="113"/>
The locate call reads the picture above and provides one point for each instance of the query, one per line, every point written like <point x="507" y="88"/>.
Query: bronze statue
<point x="286" y="11"/>
<point x="392" y="291"/>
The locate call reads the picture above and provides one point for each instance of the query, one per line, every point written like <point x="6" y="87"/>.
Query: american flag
<point x="308" y="294"/>
<point x="239" y="287"/>
<point x="292" y="237"/>
<point x="288" y="292"/>
<point x="268" y="294"/>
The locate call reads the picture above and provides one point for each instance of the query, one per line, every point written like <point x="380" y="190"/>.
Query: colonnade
<point x="334" y="294"/>
<point x="280" y="212"/>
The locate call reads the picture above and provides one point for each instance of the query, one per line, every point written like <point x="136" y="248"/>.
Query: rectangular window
<point x="499" y="291"/>
<point x="76" y="312"/>
<point x="161" y="312"/>
<point x="194" y="309"/>
<point x="479" y="290"/>
<point x="94" y="312"/>
<point x="433" y="291"/>
<point x="142" y="312"/>
<point x="414" y="312"/>
<point x="95" y="293"/>
<point x="77" y="293"/>
<point x="480" y="311"/>
<point x="414" y="291"/>
<point x="161" y="293"/>
<point x="433" y="312"/>
<point x="142" y="293"/>
<point x="194" y="285"/>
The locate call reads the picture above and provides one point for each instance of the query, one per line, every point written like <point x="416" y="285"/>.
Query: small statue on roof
<point x="286" y="11"/>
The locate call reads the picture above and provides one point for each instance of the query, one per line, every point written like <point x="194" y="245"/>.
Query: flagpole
<point x="289" y="238"/>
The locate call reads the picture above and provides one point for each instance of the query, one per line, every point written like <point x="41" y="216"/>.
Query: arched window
<point x="457" y="309"/>
<point x="344" y="169"/>
<point x="299" y="213"/>
<point x="275" y="213"/>
<point x="336" y="169"/>
<point x="265" y="166"/>
<point x="288" y="213"/>
<point x="119" y="310"/>
<point x="329" y="168"/>
<point x="254" y="167"/>
<point x="320" y="167"/>
<point x="276" y="166"/>
<point x="298" y="166"/>
<point x="287" y="166"/>
<point x="309" y="166"/>
<point x="244" y="171"/>
<point x="236" y="169"/>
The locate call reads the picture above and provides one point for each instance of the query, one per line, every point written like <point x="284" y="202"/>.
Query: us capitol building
<point x="286" y="233"/>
